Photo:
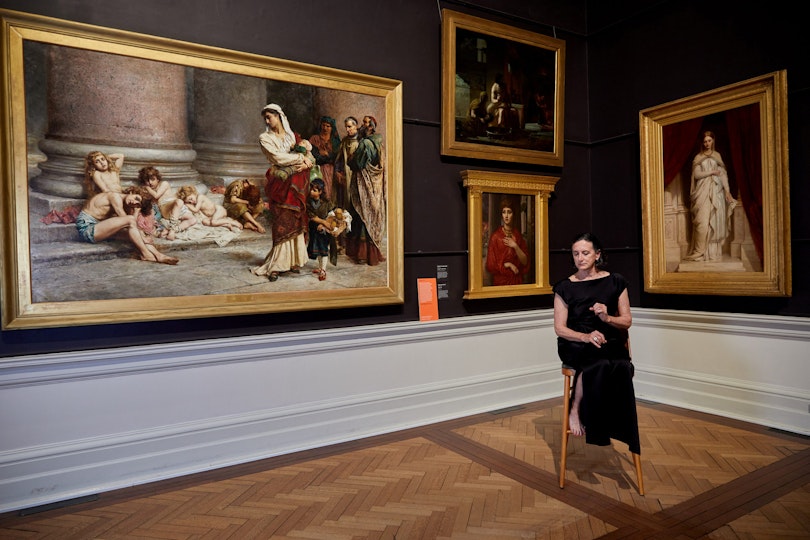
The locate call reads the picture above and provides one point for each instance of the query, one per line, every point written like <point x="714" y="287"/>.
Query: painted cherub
<point x="102" y="172"/>
<point x="213" y="214"/>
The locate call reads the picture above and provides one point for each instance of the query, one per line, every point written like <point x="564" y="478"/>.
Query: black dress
<point x="608" y="406"/>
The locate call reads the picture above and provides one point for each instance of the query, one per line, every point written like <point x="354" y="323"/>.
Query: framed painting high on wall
<point x="715" y="191"/>
<point x="508" y="233"/>
<point x="90" y="116"/>
<point x="502" y="92"/>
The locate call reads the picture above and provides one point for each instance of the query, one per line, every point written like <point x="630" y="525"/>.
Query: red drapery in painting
<point x="739" y="141"/>
<point x="745" y="136"/>
<point x="679" y="147"/>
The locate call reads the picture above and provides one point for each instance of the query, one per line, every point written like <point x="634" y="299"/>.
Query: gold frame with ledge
<point x="536" y="191"/>
<point x="665" y="214"/>
<point x="21" y="311"/>
<point x="517" y="39"/>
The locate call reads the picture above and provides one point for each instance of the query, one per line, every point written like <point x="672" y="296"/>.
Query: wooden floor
<point x="488" y="476"/>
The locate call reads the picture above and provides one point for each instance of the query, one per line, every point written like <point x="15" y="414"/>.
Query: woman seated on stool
<point x="591" y="318"/>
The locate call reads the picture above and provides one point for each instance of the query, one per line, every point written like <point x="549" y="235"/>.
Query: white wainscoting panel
<point x="754" y="368"/>
<point x="75" y="424"/>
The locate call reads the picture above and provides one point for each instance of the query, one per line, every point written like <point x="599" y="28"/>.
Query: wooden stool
<point x="568" y="393"/>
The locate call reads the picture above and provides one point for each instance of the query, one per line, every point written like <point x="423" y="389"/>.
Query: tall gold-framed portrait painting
<point x="502" y="92"/>
<point x="145" y="178"/>
<point x="507" y="217"/>
<point x="715" y="191"/>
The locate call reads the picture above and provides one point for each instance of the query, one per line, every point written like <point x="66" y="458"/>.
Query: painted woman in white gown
<point x="711" y="203"/>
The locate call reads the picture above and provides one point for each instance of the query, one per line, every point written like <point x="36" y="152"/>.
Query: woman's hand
<point x="509" y="266"/>
<point x="600" y="310"/>
<point x="595" y="338"/>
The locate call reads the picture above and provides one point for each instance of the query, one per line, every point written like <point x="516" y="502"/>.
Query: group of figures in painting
<point x="322" y="196"/>
<point x="493" y="113"/>
<point x="505" y="92"/>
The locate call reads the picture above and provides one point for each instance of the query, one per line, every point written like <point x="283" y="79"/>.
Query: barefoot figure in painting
<point x="105" y="215"/>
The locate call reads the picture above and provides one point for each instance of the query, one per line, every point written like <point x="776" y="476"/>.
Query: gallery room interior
<point x="116" y="373"/>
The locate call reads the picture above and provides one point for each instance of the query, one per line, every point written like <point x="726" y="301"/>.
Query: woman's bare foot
<point x="576" y="427"/>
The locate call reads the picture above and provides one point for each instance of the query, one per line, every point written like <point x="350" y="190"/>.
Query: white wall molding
<point x="62" y="367"/>
<point x="737" y="324"/>
<point x="754" y="368"/>
<point x="79" y="423"/>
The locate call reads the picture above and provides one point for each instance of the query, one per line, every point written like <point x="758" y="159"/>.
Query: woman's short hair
<point x="595" y="242"/>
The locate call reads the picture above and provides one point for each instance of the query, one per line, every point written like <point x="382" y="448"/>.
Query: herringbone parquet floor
<point x="488" y="476"/>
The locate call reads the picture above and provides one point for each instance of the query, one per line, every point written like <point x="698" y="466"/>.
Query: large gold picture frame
<point x="195" y="113"/>
<point x="507" y="259"/>
<point x="715" y="191"/>
<point x="502" y="92"/>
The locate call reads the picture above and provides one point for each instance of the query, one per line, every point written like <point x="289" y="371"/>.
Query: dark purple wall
<point x="621" y="57"/>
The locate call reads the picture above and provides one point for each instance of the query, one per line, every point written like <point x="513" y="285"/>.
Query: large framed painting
<point x="715" y="191"/>
<point x="145" y="178"/>
<point x="507" y="216"/>
<point x="502" y="92"/>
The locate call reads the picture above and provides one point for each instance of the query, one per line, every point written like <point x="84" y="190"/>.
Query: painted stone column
<point x="115" y="104"/>
<point x="228" y="121"/>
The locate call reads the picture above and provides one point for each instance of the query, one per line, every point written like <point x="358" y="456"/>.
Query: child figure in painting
<point x="157" y="188"/>
<point x="213" y="215"/>
<point x="145" y="216"/>
<point x="154" y="183"/>
<point x="243" y="201"/>
<point x="177" y="217"/>
<point x="323" y="227"/>
<point x="102" y="173"/>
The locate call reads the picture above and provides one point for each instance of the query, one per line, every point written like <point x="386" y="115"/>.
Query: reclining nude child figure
<point x="213" y="215"/>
